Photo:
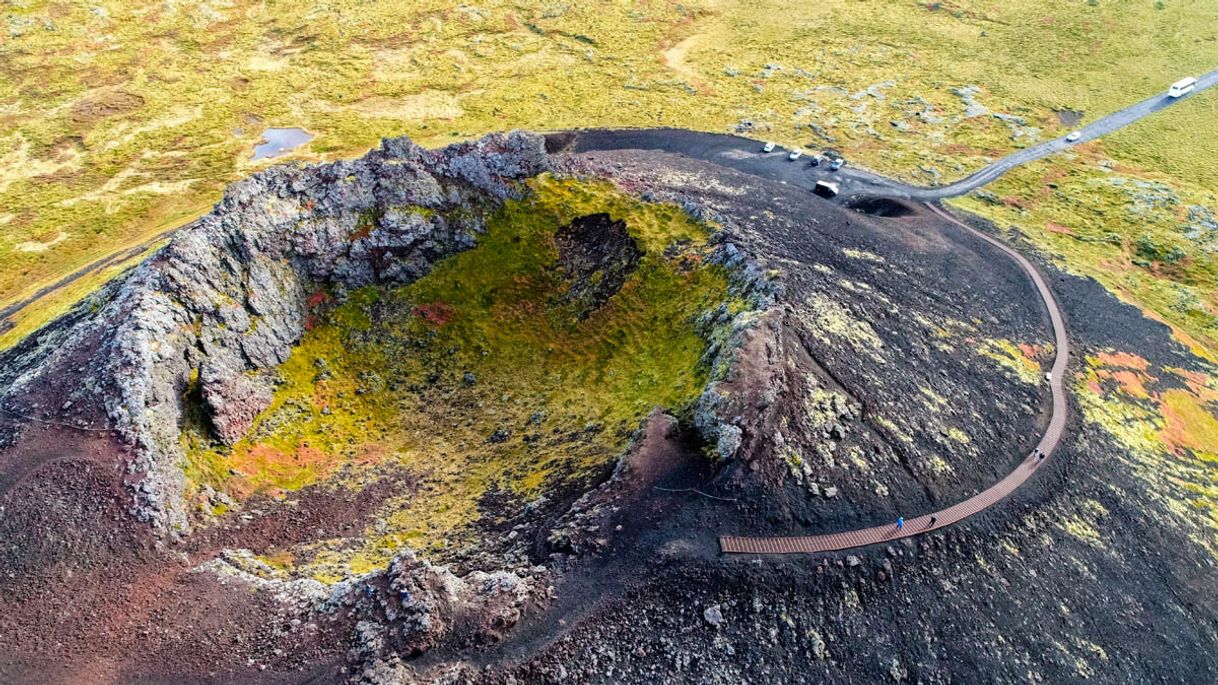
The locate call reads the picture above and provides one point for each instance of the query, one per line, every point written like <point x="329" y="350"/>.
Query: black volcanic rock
<point x="598" y="255"/>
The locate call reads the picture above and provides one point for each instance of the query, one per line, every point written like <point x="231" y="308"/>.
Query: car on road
<point x="837" y="164"/>
<point x="795" y="154"/>
<point x="1074" y="135"/>
<point x="769" y="147"/>
<point x="1182" y="87"/>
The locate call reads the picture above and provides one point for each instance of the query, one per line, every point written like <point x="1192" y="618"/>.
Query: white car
<point x="1074" y="135"/>
<point x="795" y="154"/>
<point x="1182" y="87"/>
<point x="1049" y="376"/>
<point x="769" y="147"/>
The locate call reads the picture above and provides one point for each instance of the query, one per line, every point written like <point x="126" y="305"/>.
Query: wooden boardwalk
<point x="863" y="537"/>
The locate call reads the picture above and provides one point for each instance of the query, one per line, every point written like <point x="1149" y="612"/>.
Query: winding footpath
<point x="854" y="184"/>
<point x="954" y="514"/>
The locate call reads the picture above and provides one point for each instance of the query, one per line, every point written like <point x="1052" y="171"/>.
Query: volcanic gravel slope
<point x="893" y="373"/>
<point x="1080" y="574"/>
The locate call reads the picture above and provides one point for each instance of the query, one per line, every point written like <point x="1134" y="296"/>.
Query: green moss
<point x="481" y="377"/>
<point x="1008" y="355"/>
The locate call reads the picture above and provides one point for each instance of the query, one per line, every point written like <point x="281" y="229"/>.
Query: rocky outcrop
<point x="421" y="606"/>
<point x="597" y="254"/>
<point x="224" y="302"/>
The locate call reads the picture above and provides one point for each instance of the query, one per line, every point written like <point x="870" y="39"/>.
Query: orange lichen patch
<point x="323" y="395"/>
<point x="1123" y="360"/>
<point x="371" y="453"/>
<point x="1193" y="378"/>
<point x="1198" y="382"/>
<point x="1127" y="370"/>
<point x="690" y="261"/>
<point x="283" y="558"/>
<point x="1188" y="423"/>
<point x="1093" y="385"/>
<point x="1058" y="228"/>
<point x="1131" y="382"/>
<point x="1033" y="351"/>
<point x="435" y="313"/>
<point x="265" y="468"/>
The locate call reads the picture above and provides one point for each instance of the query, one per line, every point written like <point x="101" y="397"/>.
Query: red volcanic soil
<point x="435" y="313"/>
<point x="88" y="595"/>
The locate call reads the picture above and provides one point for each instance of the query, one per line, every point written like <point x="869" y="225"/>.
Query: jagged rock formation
<point x="598" y="254"/>
<point x="422" y="605"/>
<point x="217" y="309"/>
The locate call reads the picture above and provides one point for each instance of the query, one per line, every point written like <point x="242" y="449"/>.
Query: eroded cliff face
<point x="215" y="311"/>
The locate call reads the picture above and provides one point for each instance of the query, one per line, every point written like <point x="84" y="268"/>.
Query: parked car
<point x="826" y="189"/>
<point x="837" y="164"/>
<point x="769" y="147"/>
<point x="1074" y="135"/>
<point x="815" y="161"/>
<point x="795" y="154"/>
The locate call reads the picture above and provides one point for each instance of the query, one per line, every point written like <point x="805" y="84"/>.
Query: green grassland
<point x="480" y="377"/>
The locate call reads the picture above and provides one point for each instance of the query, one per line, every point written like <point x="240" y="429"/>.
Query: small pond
<point x="277" y="141"/>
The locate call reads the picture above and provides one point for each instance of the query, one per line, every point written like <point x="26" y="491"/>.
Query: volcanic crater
<point x="479" y="414"/>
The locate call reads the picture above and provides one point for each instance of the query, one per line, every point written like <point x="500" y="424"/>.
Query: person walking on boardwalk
<point x="933" y="520"/>
<point x="900" y="522"/>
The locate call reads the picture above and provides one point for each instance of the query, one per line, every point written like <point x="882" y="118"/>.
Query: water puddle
<point x="278" y="141"/>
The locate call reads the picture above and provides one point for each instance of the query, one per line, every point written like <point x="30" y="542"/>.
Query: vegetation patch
<point x="1164" y="419"/>
<point x="482" y="378"/>
<point x="1020" y="360"/>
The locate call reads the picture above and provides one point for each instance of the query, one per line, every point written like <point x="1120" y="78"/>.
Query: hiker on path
<point x="933" y="520"/>
<point x="900" y="522"/>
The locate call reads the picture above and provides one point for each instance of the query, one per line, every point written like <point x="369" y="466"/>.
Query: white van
<point x="1182" y="87"/>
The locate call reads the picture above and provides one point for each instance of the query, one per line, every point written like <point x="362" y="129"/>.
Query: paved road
<point x="6" y="314"/>
<point x="979" y="502"/>
<point x="745" y="154"/>
<point x="1101" y="127"/>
